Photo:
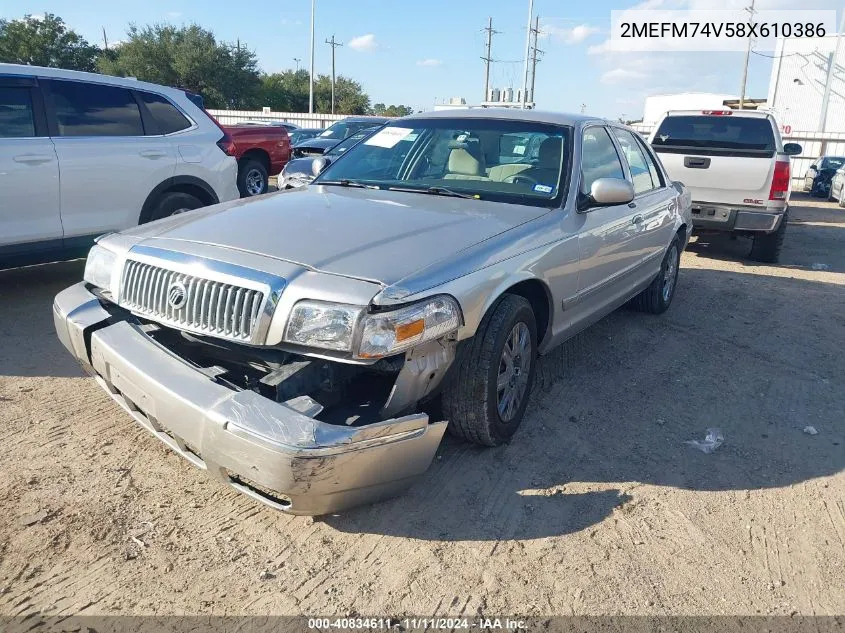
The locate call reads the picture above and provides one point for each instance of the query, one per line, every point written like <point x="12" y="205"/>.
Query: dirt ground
<point x="597" y="507"/>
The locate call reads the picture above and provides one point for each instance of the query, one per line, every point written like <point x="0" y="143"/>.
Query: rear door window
<point x="722" y="134"/>
<point x="640" y="172"/>
<point x="88" y="109"/>
<point x="16" y="113"/>
<point x="168" y="116"/>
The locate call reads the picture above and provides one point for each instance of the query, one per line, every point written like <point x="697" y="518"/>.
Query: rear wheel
<point x="657" y="297"/>
<point x="252" y="178"/>
<point x="485" y="398"/>
<point x="172" y="203"/>
<point x="766" y="247"/>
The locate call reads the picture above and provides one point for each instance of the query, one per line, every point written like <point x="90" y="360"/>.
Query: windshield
<point x="346" y="143"/>
<point x="832" y="162"/>
<point x="716" y="132"/>
<point x="343" y="129"/>
<point x="493" y="159"/>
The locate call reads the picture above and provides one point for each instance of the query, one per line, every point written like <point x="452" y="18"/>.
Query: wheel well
<point x="682" y="232"/>
<point x="537" y="294"/>
<point x="202" y="194"/>
<point x="257" y="154"/>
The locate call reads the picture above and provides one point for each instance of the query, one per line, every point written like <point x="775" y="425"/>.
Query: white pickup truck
<point x="736" y="167"/>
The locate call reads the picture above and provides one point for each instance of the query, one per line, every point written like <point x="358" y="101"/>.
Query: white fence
<point x="302" y="119"/>
<point x="813" y="145"/>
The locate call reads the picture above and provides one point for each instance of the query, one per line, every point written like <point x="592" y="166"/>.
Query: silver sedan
<point x="294" y="345"/>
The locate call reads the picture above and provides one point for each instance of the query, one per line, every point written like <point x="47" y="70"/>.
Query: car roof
<point x="756" y="114"/>
<point x="76" y="75"/>
<point x="512" y="114"/>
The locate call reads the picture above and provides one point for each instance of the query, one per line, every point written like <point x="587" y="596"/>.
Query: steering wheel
<point x="519" y="179"/>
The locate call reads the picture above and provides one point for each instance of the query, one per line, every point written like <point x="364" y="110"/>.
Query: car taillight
<point x="780" y="181"/>
<point x="227" y="144"/>
<point x="717" y="112"/>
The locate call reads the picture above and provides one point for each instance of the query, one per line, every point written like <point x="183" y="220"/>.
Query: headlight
<point x="335" y="326"/>
<point x="100" y="268"/>
<point x="324" y="325"/>
<point x="387" y="333"/>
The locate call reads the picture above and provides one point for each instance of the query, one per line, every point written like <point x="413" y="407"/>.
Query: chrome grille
<point x="208" y="307"/>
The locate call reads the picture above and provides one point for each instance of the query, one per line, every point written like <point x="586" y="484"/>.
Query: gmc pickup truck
<point x="261" y="150"/>
<point x="736" y="167"/>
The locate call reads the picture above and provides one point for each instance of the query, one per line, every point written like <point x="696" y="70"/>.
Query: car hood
<point x="375" y="235"/>
<point x="317" y="144"/>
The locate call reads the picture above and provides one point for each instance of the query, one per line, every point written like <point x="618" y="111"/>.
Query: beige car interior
<point x="466" y="162"/>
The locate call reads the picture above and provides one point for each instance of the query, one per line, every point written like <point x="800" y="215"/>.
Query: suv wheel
<point x="173" y="203"/>
<point x="252" y="178"/>
<point x="657" y="297"/>
<point x="766" y="246"/>
<point x="485" y="398"/>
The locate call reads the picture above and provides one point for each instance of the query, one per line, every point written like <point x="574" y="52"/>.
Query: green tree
<point x="45" y="42"/>
<point x="380" y="109"/>
<point x="226" y="75"/>
<point x="288" y="92"/>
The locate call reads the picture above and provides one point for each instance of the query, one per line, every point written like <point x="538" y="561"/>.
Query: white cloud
<point x="364" y="43"/>
<point x="429" y="63"/>
<point x="568" y="35"/>
<point x="622" y="75"/>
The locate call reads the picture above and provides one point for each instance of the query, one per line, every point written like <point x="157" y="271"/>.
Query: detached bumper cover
<point x="264" y="449"/>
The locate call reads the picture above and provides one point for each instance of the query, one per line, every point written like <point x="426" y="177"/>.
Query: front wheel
<point x="486" y="396"/>
<point x="657" y="297"/>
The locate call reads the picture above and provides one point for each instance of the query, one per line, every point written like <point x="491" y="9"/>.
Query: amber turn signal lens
<point x="409" y="330"/>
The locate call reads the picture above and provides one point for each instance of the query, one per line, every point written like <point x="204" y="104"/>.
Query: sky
<point x="421" y="53"/>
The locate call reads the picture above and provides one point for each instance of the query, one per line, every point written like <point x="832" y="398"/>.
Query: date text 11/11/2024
<point x="417" y="624"/>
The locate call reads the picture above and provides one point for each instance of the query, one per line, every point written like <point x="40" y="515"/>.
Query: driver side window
<point x="598" y="158"/>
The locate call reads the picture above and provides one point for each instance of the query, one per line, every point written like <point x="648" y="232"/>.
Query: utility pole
<point x="829" y="79"/>
<point x="751" y="13"/>
<point x="488" y="59"/>
<point x="311" y="74"/>
<point x="105" y="40"/>
<point x="527" y="50"/>
<point x="534" y="60"/>
<point x="334" y="45"/>
<point x="297" y="60"/>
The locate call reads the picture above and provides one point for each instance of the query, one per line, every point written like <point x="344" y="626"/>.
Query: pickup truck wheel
<point x="485" y="398"/>
<point x="766" y="246"/>
<point x="172" y="203"/>
<point x="656" y="298"/>
<point x="252" y="178"/>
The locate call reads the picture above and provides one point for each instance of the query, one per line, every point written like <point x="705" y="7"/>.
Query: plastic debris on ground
<point x="810" y="430"/>
<point x="710" y="443"/>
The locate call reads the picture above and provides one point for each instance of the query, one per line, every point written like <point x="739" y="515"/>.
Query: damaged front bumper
<point x="271" y="451"/>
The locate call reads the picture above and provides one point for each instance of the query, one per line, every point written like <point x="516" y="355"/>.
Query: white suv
<point x="83" y="154"/>
<point x="736" y="167"/>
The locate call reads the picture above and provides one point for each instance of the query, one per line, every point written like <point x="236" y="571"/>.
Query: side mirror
<point x="792" y="149"/>
<point x="609" y="191"/>
<point x="318" y="165"/>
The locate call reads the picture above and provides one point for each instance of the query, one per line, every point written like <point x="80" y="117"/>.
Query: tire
<point x="842" y="196"/>
<point x="172" y="203"/>
<point x="658" y="296"/>
<point x="766" y="247"/>
<point x="252" y="178"/>
<point x="471" y="399"/>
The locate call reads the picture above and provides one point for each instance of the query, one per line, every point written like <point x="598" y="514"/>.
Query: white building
<point x="796" y="89"/>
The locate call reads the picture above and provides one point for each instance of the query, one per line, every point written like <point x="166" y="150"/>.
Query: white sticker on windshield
<point x="519" y="149"/>
<point x="388" y="137"/>
<point x="543" y="188"/>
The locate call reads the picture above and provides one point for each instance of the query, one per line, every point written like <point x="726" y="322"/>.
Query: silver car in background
<point x="294" y="345"/>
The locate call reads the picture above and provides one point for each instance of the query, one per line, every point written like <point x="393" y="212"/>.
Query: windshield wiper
<point x="345" y="182"/>
<point x="437" y="191"/>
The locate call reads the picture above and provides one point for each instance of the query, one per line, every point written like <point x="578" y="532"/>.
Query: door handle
<point x="33" y="159"/>
<point x="638" y="219"/>
<point x="153" y="153"/>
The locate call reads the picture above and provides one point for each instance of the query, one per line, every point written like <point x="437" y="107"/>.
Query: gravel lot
<point x="597" y="507"/>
